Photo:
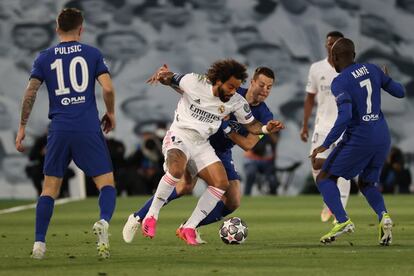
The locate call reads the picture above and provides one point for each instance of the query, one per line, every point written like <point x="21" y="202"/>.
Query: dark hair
<point x="101" y="37"/>
<point x="222" y="70"/>
<point x="334" y="34"/>
<point x="266" y="71"/>
<point x="69" y="19"/>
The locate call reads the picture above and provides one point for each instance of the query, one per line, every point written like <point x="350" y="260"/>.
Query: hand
<point x="108" y="122"/>
<point x="274" y="126"/>
<point x="304" y="134"/>
<point x="315" y="152"/>
<point x="19" y="139"/>
<point x="159" y="74"/>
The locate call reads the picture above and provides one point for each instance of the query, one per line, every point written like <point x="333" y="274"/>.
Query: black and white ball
<point x="233" y="231"/>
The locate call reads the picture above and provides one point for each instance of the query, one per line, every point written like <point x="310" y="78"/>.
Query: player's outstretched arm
<point x="29" y="99"/>
<point x="166" y="77"/>
<point x="108" y="92"/>
<point x="245" y="142"/>
<point x="392" y="87"/>
<point x="258" y="128"/>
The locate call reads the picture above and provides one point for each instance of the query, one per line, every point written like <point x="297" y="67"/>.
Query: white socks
<point x="164" y="190"/>
<point x="344" y="187"/>
<point x="205" y="205"/>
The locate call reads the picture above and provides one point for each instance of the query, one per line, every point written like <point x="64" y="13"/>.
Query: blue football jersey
<point x="261" y="112"/>
<point x="357" y="90"/>
<point x="69" y="70"/>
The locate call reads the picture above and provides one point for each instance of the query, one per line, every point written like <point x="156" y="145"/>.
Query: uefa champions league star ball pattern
<point x="233" y="231"/>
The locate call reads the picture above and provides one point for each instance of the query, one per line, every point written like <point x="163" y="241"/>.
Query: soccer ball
<point x="233" y="231"/>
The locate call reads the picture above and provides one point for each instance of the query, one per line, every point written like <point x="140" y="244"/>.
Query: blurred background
<point x="137" y="36"/>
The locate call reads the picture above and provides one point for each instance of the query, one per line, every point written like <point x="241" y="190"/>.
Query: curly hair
<point x="222" y="70"/>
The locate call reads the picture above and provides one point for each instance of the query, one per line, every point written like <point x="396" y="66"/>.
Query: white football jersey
<point x="199" y="113"/>
<point x="321" y="75"/>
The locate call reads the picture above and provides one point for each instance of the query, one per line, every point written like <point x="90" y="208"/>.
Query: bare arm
<point x="307" y="112"/>
<point x="245" y="142"/>
<point x="29" y="99"/>
<point x="257" y="128"/>
<point x="108" y="92"/>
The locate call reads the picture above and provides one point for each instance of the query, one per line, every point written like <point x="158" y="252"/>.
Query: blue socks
<point x="107" y="200"/>
<point x="375" y="200"/>
<point x="44" y="211"/>
<point x="332" y="198"/>
<point x="219" y="212"/>
<point x="144" y="210"/>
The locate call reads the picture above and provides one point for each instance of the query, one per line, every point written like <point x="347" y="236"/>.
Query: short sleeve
<point x="37" y="72"/>
<point x="186" y="82"/>
<point x="242" y="111"/>
<point x="311" y="85"/>
<point x="101" y="66"/>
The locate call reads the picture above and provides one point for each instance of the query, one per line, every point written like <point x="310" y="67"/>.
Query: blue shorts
<point x="348" y="161"/>
<point x="87" y="149"/>
<point x="227" y="160"/>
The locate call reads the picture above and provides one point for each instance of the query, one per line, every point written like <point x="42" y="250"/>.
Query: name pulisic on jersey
<point x="65" y="50"/>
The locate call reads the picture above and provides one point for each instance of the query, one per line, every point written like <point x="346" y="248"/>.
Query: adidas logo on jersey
<point x="198" y="101"/>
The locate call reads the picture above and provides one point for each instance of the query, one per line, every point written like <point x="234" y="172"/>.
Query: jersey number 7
<point x="367" y="84"/>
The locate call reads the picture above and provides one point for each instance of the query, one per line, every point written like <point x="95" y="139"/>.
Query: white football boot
<point x="100" y="229"/>
<point x="39" y="250"/>
<point x="131" y="228"/>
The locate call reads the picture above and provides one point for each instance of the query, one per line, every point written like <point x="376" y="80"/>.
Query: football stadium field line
<point x="33" y="205"/>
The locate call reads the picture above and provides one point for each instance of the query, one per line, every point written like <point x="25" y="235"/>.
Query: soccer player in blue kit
<point x="366" y="140"/>
<point x="69" y="70"/>
<point x="223" y="140"/>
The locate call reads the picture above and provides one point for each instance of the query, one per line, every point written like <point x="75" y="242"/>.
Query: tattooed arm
<point x="27" y="106"/>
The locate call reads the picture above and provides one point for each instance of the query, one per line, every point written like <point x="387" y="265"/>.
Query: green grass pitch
<point x="283" y="239"/>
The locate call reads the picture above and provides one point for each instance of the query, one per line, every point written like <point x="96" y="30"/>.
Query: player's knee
<point x="223" y="185"/>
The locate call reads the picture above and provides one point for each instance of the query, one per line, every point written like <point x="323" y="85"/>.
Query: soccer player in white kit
<point x="206" y="100"/>
<point x="321" y="74"/>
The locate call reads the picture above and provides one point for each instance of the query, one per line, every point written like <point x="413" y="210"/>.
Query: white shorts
<point x="318" y="138"/>
<point x="199" y="154"/>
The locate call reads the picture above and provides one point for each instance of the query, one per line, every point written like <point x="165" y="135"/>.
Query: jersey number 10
<point x="78" y="87"/>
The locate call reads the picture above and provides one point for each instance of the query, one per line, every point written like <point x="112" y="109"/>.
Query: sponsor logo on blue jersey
<point x="370" y="117"/>
<point x="73" y="100"/>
